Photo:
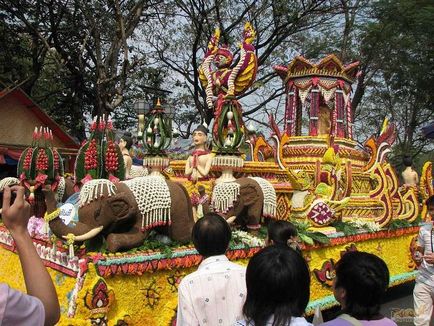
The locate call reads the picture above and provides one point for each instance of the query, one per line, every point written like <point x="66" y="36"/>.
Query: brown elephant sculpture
<point x="126" y="211"/>
<point x="244" y="201"/>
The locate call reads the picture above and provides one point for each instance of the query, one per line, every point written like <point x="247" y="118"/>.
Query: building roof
<point x="19" y="95"/>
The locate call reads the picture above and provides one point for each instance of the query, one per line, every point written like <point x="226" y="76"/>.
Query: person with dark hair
<point x="409" y="175"/>
<point x="284" y="233"/>
<point x="359" y="286"/>
<point x="215" y="293"/>
<point x="423" y="293"/>
<point x="125" y="144"/>
<point x="278" y="284"/>
<point x="40" y="306"/>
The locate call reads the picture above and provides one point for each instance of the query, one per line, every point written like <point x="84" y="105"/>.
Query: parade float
<point x="106" y="253"/>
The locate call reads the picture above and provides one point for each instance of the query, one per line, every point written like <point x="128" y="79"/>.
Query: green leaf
<point x="319" y="237"/>
<point x="167" y="251"/>
<point x="398" y="224"/>
<point x="306" y="239"/>
<point x="301" y="226"/>
<point x="344" y="227"/>
<point x="417" y="221"/>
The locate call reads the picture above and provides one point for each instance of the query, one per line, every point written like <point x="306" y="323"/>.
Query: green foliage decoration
<point x="228" y="131"/>
<point x="158" y="132"/>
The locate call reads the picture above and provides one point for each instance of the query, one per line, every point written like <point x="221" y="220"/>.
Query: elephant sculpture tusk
<point x="87" y="235"/>
<point x="231" y="219"/>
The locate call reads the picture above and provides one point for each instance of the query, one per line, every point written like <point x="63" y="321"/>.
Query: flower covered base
<point x="140" y="287"/>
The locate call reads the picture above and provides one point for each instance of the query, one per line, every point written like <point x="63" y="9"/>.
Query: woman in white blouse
<point x="278" y="284"/>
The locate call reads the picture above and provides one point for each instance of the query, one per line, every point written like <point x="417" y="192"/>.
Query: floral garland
<point x="246" y="245"/>
<point x="247" y="238"/>
<point x="81" y="275"/>
<point x="384" y="234"/>
<point x="369" y="226"/>
<point x="137" y="264"/>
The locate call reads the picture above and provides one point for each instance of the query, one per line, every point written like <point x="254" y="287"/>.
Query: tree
<point x="401" y="38"/>
<point x="89" y="44"/>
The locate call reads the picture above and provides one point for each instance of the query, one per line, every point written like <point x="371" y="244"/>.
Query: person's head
<point x="211" y="235"/>
<point x="282" y="233"/>
<point x="278" y="284"/>
<point x="126" y="141"/>
<point x="430" y="206"/>
<point x="200" y="136"/>
<point x="360" y="284"/>
<point x="407" y="161"/>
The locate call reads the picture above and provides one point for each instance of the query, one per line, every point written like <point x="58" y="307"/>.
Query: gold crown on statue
<point x="330" y="66"/>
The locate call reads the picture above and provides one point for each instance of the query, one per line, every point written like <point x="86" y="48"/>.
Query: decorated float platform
<point x="140" y="287"/>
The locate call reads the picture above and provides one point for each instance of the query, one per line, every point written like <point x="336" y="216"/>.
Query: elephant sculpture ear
<point x="122" y="206"/>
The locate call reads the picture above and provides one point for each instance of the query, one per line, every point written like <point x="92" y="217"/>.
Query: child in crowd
<point x="40" y="305"/>
<point x="283" y="233"/>
<point x="278" y="283"/>
<point x="360" y="284"/>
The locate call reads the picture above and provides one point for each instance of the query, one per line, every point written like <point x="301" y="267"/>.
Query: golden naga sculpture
<point x="222" y="83"/>
<point x="323" y="204"/>
<point x="216" y="74"/>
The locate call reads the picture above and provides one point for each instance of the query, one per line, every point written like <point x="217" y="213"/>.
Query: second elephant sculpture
<point x="64" y="189"/>
<point x="245" y="201"/>
<point x="126" y="211"/>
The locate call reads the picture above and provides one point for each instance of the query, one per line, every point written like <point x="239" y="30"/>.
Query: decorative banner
<point x="69" y="210"/>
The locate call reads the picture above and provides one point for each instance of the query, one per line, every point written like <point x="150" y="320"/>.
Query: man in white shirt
<point x="423" y="293"/>
<point x="215" y="293"/>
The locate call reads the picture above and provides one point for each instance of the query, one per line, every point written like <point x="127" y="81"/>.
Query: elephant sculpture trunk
<point x="81" y="231"/>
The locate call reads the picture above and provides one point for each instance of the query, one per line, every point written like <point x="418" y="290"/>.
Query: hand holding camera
<point x="15" y="213"/>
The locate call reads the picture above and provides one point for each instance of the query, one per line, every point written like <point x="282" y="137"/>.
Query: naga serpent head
<point x="213" y="42"/>
<point x="249" y="33"/>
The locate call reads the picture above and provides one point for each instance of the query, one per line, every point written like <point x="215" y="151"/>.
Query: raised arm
<point x="38" y="281"/>
<point x="205" y="170"/>
<point x="188" y="169"/>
